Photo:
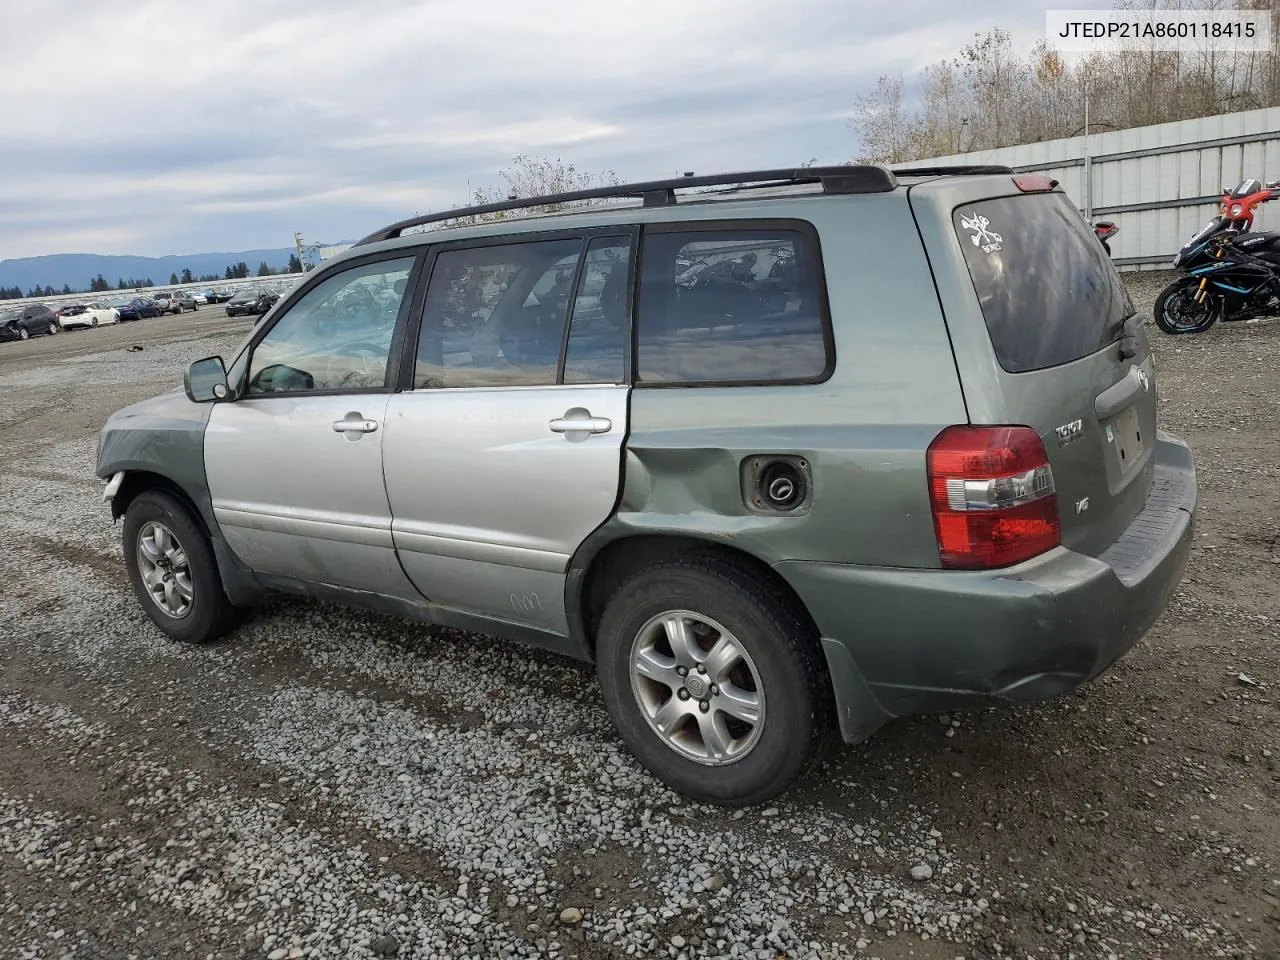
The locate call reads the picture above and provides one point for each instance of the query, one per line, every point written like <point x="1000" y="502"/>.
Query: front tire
<point x="715" y="679"/>
<point x="1176" y="311"/>
<point x="172" y="570"/>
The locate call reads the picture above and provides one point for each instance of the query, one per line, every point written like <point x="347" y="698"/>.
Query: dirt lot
<point x="337" y="784"/>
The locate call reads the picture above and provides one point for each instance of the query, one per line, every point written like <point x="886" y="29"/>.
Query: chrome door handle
<point x="581" y="425"/>
<point x="355" y="426"/>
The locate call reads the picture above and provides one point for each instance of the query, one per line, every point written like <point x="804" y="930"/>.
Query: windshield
<point x="1048" y="290"/>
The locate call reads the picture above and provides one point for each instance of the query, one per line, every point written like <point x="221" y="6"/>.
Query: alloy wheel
<point x="697" y="687"/>
<point x="165" y="570"/>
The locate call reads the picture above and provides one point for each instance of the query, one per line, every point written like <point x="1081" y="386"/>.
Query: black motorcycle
<point x="1230" y="272"/>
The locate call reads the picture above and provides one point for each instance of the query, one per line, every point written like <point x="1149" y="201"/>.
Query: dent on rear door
<point x="489" y="501"/>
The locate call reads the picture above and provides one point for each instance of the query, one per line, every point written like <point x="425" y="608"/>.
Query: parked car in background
<point x="170" y="301"/>
<point x="20" y="323"/>
<point x="80" y="315"/>
<point x="219" y="295"/>
<point x="182" y="302"/>
<point x="251" y="303"/>
<point x="137" y="308"/>
<point x="198" y="298"/>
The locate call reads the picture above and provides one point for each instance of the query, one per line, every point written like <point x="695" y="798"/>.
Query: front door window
<point x="337" y="336"/>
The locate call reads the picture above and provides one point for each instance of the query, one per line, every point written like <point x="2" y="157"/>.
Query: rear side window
<point x="741" y="305"/>
<point x="1048" y="291"/>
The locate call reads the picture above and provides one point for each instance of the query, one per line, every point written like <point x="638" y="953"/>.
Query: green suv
<point x="786" y="454"/>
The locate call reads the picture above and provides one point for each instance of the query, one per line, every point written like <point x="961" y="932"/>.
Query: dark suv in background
<point x="251" y="303"/>
<point x="31" y="320"/>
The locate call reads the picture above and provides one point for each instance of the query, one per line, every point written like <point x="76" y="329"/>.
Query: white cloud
<point x="164" y="124"/>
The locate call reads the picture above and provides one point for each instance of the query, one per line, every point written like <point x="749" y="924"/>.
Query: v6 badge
<point x="1069" y="431"/>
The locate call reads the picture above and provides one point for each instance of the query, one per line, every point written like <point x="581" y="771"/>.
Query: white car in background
<point x="87" y="315"/>
<point x="199" y="298"/>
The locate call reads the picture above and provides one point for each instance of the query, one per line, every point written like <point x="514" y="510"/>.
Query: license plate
<point x="1124" y="437"/>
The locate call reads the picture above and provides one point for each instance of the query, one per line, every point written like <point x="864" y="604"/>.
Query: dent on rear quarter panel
<point x="864" y="431"/>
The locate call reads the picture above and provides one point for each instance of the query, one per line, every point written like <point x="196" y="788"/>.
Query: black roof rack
<point x="661" y="193"/>
<point x="958" y="170"/>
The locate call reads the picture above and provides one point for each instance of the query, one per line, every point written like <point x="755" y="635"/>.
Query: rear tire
<point x="158" y="518"/>
<point x="1176" y="311"/>
<point x="773" y="660"/>
<point x="53" y="328"/>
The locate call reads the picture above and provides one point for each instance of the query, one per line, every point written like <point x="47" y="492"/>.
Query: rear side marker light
<point x="993" y="497"/>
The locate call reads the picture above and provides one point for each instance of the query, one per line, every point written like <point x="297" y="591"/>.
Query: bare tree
<point x="888" y="133"/>
<point x="535" y="177"/>
<point x="990" y="95"/>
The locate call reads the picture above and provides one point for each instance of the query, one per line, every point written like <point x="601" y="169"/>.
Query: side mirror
<point x="206" y="380"/>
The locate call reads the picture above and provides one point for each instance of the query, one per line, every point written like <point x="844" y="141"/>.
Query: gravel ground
<point x="330" y="783"/>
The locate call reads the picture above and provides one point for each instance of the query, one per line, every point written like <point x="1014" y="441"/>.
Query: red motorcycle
<point x="1237" y="206"/>
<point x="1104" y="230"/>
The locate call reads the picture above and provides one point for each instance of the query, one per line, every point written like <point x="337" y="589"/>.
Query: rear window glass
<point x="742" y="305"/>
<point x="1048" y="291"/>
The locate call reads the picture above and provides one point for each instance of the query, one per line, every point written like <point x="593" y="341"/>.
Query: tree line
<point x="101" y="284"/>
<point x="15" y="293"/>
<point x="990" y="95"/>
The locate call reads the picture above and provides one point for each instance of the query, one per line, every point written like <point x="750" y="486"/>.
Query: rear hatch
<point x="1045" y="335"/>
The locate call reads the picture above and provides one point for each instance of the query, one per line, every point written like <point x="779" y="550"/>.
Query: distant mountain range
<point x="77" y="269"/>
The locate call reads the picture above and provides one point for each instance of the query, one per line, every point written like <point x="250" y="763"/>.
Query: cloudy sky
<point x="174" y="126"/>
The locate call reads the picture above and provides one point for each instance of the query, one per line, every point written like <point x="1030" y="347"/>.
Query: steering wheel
<point x="361" y="364"/>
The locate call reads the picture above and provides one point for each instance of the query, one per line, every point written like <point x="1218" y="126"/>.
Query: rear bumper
<point x="907" y="641"/>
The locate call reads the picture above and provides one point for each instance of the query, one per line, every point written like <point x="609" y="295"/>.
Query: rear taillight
<point x="993" y="496"/>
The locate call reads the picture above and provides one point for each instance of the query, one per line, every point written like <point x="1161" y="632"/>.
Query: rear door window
<point x="730" y="306"/>
<point x="1048" y="291"/>
<point x="495" y="316"/>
